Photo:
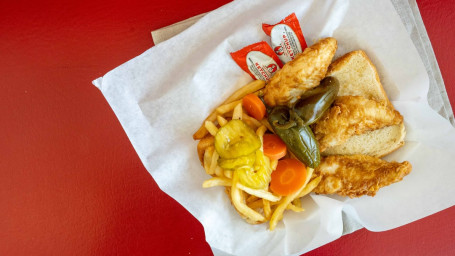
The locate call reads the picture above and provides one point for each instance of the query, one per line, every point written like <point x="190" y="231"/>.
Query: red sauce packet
<point x="258" y="60"/>
<point x="287" y="38"/>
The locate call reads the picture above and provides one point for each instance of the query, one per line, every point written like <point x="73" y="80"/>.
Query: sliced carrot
<point x="274" y="147"/>
<point x="254" y="106"/>
<point x="289" y="176"/>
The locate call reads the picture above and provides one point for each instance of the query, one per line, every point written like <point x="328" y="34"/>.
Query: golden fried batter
<point x="301" y="74"/>
<point x="358" y="175"/>
<point x="352" y="115"/>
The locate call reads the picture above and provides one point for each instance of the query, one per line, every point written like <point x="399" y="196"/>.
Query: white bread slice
<point x="358" y="76"/>
<point x="376" y="143"/>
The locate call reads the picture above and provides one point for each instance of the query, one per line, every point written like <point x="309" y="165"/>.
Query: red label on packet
<point x="287" y="38"/>
<point x="258" y="60"/>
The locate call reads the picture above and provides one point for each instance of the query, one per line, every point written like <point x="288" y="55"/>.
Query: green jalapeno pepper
<point x="314" y="103"/>
<point x="298" y="137"/>
<point x="292" y="124"/>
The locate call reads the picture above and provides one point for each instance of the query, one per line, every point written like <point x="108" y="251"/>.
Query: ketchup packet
<point x="258" y="60"/>
<point x="287" y="38"/>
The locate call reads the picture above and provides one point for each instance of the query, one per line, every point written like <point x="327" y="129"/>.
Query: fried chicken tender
<point x="352" y="115"/>
<point x="358" y="175"/>
<point x="301" y="74"/>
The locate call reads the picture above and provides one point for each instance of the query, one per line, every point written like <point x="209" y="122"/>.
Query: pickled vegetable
<point x="296" y="135"/>
<point x="313" y="104"/>
<point x="234" y="163"/>
<point x="257" y="176"/>
<point x="236" y="139"/>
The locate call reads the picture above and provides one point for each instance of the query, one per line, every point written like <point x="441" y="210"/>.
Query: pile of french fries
<point x="254" y="205"/>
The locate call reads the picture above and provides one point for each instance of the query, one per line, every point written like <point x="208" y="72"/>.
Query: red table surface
<point x="70" y="181"/>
